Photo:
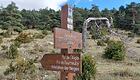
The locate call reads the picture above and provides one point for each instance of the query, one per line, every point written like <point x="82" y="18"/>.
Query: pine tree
<point x="10" y="17"/>
<point x="94" y="11"/>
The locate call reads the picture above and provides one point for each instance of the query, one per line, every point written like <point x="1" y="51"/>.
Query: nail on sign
<point x="62" y="62"/>
<point x="64" y="39"/>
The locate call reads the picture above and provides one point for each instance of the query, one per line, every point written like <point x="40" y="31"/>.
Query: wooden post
<point x="64" y="75"/>
<point x="64" y="22"/>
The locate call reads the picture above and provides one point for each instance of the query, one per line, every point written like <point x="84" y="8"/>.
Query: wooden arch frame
<point x="85" y="26"/>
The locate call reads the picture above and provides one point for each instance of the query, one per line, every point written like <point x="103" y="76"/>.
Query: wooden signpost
<point x="68" y="62"/>
<point x="62" y="62"/>
<point x="64" y="39"/>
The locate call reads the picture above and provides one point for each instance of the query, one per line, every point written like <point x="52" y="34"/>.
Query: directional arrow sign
<point x="65" y="39"/>
<point x="62" y="62"/>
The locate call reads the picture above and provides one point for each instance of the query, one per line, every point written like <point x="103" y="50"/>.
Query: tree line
<point x="127" y="18"/>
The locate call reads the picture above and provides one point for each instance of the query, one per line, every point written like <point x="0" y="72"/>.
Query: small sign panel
<point x="64" y="39"/>
<point x="70" y="12"/>
<point x="62" y="62"/>
<point x="70" y="18"/>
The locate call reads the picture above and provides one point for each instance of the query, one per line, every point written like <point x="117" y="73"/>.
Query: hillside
<point x="106" y="69"/>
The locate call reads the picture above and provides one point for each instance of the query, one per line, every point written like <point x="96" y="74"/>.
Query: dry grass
<point x="129" y="69"/>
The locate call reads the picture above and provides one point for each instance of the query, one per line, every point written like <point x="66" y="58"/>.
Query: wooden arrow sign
<point x="62" y="62"/>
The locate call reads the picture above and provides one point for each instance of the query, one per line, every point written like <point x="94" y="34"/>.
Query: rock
<point x="50" y="43"/>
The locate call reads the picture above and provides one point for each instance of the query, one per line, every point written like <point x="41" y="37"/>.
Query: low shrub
<point x="45" y="32"/>
<point x="25" y="66"/>
<point x="115" y="50"/>
<point x="1" y="39"/>
<point x="4" y="47"/>
<point x="88" y="68"/>
<point x="18" y="29"/>
<point x="17" y="43"/>
<point x="106" y="40"/>
<point x="24" y="37"/>
<point x="5" y="34"/>
<point x="98" y="33"/>
<point x="131" y="34"/>
<point x="38" y="35"/>
<point x="104" y="31"/>
<point x="12" y="52"/>
<point x="138" y="41"/>
<point x="22" y="68"/>
<point x="101" y="43"/>
<point x="10" y="69"/>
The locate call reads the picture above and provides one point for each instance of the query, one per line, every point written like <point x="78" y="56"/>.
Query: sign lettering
<point x="62" y="62"/>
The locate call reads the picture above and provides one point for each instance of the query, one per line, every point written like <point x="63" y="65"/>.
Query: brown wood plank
<point x="64" y="39"/>
<point x="62" y="62"/>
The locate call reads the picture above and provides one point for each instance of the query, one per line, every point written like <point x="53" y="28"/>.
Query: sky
<point x="55" y="4"/>
<point x="110" y="4"/>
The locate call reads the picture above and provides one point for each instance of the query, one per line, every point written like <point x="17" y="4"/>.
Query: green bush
<point x="18" y="29"/>
<point x="104" y="31"/>
<point x="5" y="34"/>
<point x="137" y="28"/>
<point x="138" y="41"/>
<point x="12" y="52"/>
<point x="88" y="68"/>
<point x="115" y="50"/>
<point x="101" y="43"/>
<point x="24" y="37"/>
<point x="21" y="68"/>
<point x="4" y="47"/>
<point x="1" y="39"/>
<point x="17" y="43"/>
<point x="106" y="40"/>
<point x="98" y="33"/>
<point x="131" y="34"/>
<point x="25" y="66"/>
<point x="45" y="32"/>
<point x="38" y="35"/>
<point x="10" y="69"/>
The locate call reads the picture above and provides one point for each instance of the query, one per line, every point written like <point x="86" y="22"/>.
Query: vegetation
<point x="45" y="32"/>
<point x="11" y="17"/>
<point x="17" y="43"/>
<point x="24" y="37"/>
<point x="21" y="68"/>
<point x="138" y="41"/>
<point x="38" y="36"/>
<point x="1" y="39"/>
<point x="18" y="29"/>
<point x="131" y="35"/>
<point x="12" y="52"/>
<point x="101" y="43"/>
<point x="4" y="47"/>
<point x="9" y="70"/>
<point x="6" y="34"/>
<point x="115" y="50"/>
<point x="88" y="68"/>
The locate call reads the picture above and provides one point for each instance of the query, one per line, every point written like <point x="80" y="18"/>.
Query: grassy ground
<point x="129" y="69"/>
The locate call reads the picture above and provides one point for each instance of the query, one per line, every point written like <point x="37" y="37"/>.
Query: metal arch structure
<point x="85" y="26"/>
